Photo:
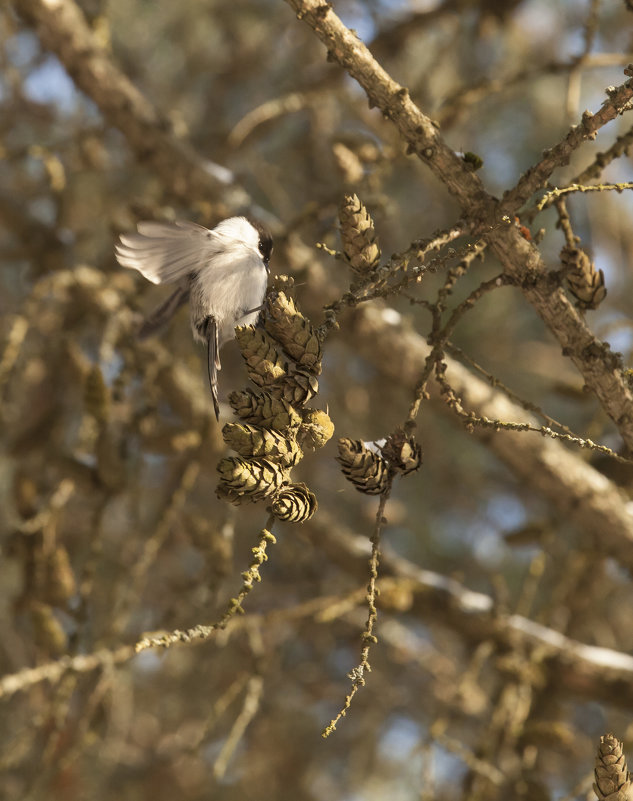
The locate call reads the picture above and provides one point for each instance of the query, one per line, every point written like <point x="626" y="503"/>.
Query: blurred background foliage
<point x="110" y="524"/>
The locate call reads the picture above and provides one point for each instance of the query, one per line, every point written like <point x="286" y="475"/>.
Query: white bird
<point x="222" y="271"/>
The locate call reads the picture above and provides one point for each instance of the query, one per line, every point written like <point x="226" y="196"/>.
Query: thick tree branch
<point x="62" y="29"/>
<point x="418" y="130"/>
<point x="578" y="491"/>
<point x="601" y="371"/>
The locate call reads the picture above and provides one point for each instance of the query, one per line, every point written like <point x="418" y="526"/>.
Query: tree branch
<point x="571" y="666"/>
<point x="601" y="370"/>
<point x="62" y="28"/>
<point x="577" y="490"/>
<point x="618" y="101"/>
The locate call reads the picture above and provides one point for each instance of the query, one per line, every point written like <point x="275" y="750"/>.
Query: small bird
<point x="222" y="272"/>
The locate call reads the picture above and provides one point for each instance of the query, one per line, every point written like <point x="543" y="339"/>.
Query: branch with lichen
<point x="619" y="148"/>
<point x="528" y="406"/>
<point x="440" y="335"/>
<point x="394" y="279"/>
<point x="550" y="196"/>
<point x="250" y="577"/>
<point x="579" y="491"/>
<point x="357" y="674"/>
<point x="519" y="258"/>
<point x="618" y="101"/>
<point x="372" y="280"/>
<point x="588" y="671"/>
<point x="471" y="420"/>
<point x="53" y="671"/>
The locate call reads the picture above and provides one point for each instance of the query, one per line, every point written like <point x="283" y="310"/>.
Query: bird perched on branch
<point x="222" y="272"/>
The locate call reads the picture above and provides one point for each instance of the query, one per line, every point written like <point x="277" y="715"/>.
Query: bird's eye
<point x="265" y="248"/>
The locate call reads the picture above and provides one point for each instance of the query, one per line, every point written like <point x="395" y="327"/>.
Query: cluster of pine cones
<point x="283" y="360"/>
<point x="369" y="465"/>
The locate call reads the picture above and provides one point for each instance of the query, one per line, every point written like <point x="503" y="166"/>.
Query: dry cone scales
<point x="295" y="503"/>
<point x="364" y="467"/>
<point x="368" y="465"/>
<point x="285" y="323"/>
<point x="612" y="779"/>
<point x="263" y="408"/>
<point x="584" y="282"/>
<point x="360" y="243"/>
<point x="249" y="440"/>
<point x="283" y="361"/>
<point x="402" y="452"/>
<point x="269" y="369"/>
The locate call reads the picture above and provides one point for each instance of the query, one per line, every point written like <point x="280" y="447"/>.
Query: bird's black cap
<point x="265" y="240"/>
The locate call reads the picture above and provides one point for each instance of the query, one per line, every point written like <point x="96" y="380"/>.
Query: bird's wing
<point x="164" y="253"/>
<point x="213" y="361"/>
<point x="163" y="313"/>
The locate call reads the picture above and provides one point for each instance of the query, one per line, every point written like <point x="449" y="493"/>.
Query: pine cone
<point x="264" y="364"/>
<point x="402" y="452"/>
<point x="295" y="503"/>
<point x="248" y="440"/>
<point x="267" y="443"/>
<point x="225" y="493"/>
<point x="367" y="470"/>
<point x="285" y="323"/>
<point x="262" y="409"/>
<point x="613" y="781"/>
<point x="251" y="478"/>
<point x="297" y="387"/>
<point x="316" y="429"/>
<point x="585" y="283"/>
<point x="360" y="244"/>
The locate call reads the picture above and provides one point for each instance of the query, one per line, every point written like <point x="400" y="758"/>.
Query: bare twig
<point x="250" y="705"/>
<point x="619" y="148"/>
<point x="583" y="670"/>
<point x="618" y="101"/>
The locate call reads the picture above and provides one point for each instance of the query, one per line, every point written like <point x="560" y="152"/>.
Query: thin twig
<point x="357" y="674"/>
<point x="473" y="420"/>
<point x="252" y="699"/>
<point x="234" y="607"/>
<point x="564" y="221"/>
<point x="550" y="197"/>
<point x="439" y="336"/>
<point x="529" y="406"/>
